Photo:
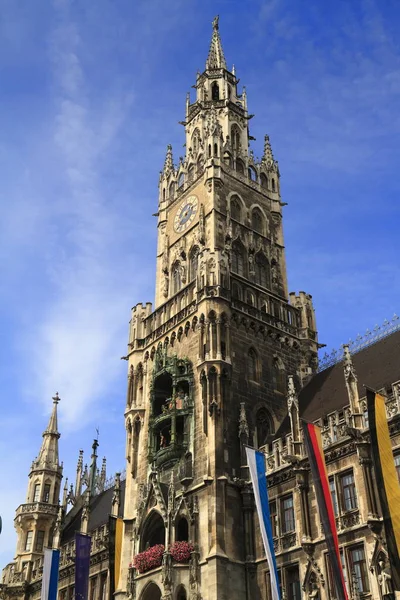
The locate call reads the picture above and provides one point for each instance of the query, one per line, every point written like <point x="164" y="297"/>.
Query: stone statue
<point x="385" y="582"/>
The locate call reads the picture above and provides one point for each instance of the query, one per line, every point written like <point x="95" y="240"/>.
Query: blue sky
<point x="91" y="94"/>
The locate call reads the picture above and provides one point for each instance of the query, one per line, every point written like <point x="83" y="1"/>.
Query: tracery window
<point x="176" y="278"/>
<point x="279" y="375"/>
<point x="236" y="212"/>
<point x="238" y="259"/>
<point x="193" y="263"/>
<point x="264" y="181"/>
<point x="36" y="493"/>
<point x="262" y="274"/>
<point x="215" y="91"/>
<point x="252" y="365"/>
<point x="257" y="220"/>
<point x="263" y="427"/>
<point x="235" y="137"/>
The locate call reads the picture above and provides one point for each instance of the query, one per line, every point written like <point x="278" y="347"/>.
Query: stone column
<point x="218" y="325"/>
<point x="364" y="458"/>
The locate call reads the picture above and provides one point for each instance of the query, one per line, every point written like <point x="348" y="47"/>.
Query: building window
<point x="279" y="375"/>
<point x="274" y="518"/>
<point x="93" y="586"/>
<point x="28" y="541"/>
<point x="287" y="514"/>
<point x="46" y="493"/>
<point x="397" y="465"/>
<point x="332" y="586"/>
<point x="332" y="488"/>
<point x="103" y="586"/>
<point x="292" y="580"/>
<point x="176" y="278"/>
<point x="262" y="271"/>
<point x="39" y="541"/>
<point x="36" y="493"/>
<point x="359" y="568"/>
<point x="257" y="220"/>
<point x="237" y="260"/>
<point x="252" y="364"/>
<point x="348" y="489"/>
<point x="263" y="427"/>
<point x="235" y="210"/>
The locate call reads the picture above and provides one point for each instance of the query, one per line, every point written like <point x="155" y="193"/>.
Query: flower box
<point x="149" y="559"/>
<point x="181" y="551"/>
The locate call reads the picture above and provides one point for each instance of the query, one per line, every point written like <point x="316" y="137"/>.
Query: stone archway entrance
<point x="151" y="592"/>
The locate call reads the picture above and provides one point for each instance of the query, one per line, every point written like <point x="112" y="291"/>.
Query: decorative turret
<point x="93" y="469"/>
<point x="216" y="58"/>
<point x="35" y="520"/>
<point x="169" y="162"/>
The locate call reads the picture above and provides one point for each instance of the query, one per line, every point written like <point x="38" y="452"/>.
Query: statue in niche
<point x="385" y="582"/>
<point x="313" y="594"/>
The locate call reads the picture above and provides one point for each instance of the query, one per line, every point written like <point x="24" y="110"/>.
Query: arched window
<point x="172" y="189"/>
<point x="151" y="592"/>
<point x="236" y="291"/>
<point x="181" y="594"/>
<point x="257" y="221"/>
<point x="239" y="166"/>
<point x="236" y="212"/>
<point x="262" y="271"/>
<point x="264" y="181"/>
<point x="135" y="448"/>
<point x="153" y="531"/>
<point x="193" y="263"/>
<point x="176" y="278"/>
<point x="250" y="298"/>
<point x="181" y="180"/>
<point x="252" y="365"/>
<point x="215" y="91"/>
<point x="273" y="184"/>
<point x="182" y="530"/>
<point x="163" y="193"/>
<point x="200" y="164"/>
<point x="195" y="141"/>
<point x="209" y="150"/>
<point x="235" y="137"/>
<point x="215" y="149"/>
<point x="279" y="375"/>
<point x="252" y="174"/>
<point x="191" y="173"/>
<point x="263" y="427"/>
<point x="238" y="259"/>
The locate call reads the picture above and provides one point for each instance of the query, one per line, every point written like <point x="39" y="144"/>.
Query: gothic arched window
<point x="235" y="137"/>
<point x="195" y="141"/>
<point x="252" y="365"/>
<point x="193" y="263"/>
<point x="279" y="375"/>
<point x="238" y="259"/>
<point x="181" y="180"/>
<point x="236" y="291"/>
<point x="262" y="271"/>
<point x="153" y="531"/>
<point x="239" y="166"/>
<point x="263" y="427"/>
<point x="191" y="173"/>
<point x="252" y="174"/>
<point x="182" y="530"/>
<point x="176" y="278"/>
<point x="172" y="189"/>
<point x="215" y="91"/>
<point x="257" y="221"/>
<point x="273" y="184"/>
<point x="236" y="212"/>
<point x="264" y="181"/>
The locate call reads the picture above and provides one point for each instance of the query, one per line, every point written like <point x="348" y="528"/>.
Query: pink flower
<point x="180" y="551"/>
<point x="149" y="559"/>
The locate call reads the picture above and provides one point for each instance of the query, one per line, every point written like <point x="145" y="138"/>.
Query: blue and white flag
<point x="256" y="463"/>
<point x="50" y="574"/>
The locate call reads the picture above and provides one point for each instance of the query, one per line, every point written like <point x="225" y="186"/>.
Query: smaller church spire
<point x="48" y="454"/>
<point x="93" y="469"/>
<point x="268" y="156"/>
<point x="216" y="58"/>
<point x="169" y="161"/>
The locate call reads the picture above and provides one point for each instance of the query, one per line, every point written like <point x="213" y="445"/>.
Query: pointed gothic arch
<point x="253" y="370"/>
<point x="262" y="270"/>
<point x="193" y="262"/>
<point x="153" y="531"/>
<point x="235" y="137"/>
<point x="264" y="181"/>
<point x="263" y="426"/>
<point x="236" y="208"/>
<point x="176" y="277"/>
<point x="238" y="258"/>
<point x="257" y="220"/>
<point x="151" y="592"/>
<point x="239" y="166"/>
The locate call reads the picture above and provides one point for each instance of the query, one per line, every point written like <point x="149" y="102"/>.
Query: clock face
<point x="186" y="214"/>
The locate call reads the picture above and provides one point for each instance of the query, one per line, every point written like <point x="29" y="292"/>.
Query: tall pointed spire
<point x="48" y="454"/>
<point x="169" y="161"/>
<point x="216" y="58"/>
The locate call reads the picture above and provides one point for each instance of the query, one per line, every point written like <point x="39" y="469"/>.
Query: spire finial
<point x="56" y="398"/>
<point x="216" y="58"/>
<point x="169" y="161"/>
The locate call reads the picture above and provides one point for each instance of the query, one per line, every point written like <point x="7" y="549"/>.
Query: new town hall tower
<point x="209" y="363"/>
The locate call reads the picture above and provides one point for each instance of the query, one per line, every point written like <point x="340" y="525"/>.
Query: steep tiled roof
<point x="377" y="366"/>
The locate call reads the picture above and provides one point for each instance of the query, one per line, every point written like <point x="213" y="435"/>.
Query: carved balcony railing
<point x="37" y="507"/>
